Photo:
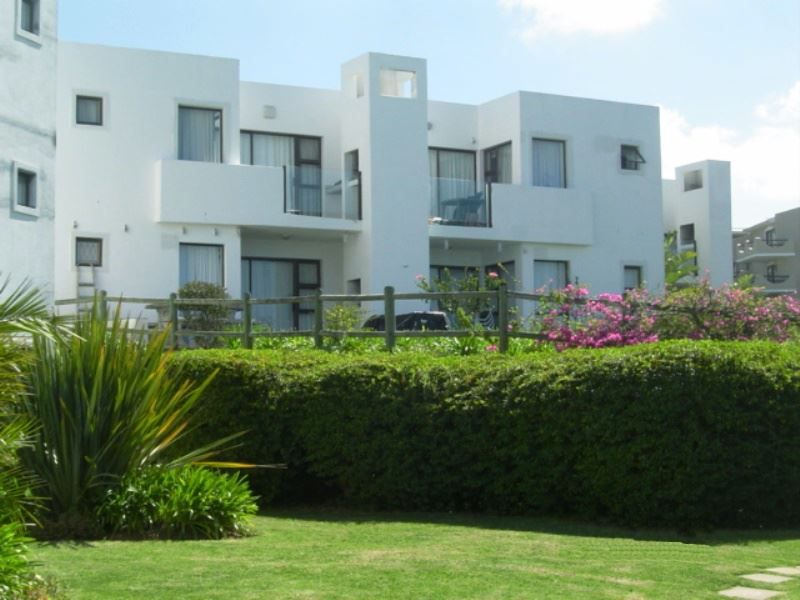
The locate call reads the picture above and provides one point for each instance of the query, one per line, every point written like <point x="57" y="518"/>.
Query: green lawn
<point x="313" y="554"/>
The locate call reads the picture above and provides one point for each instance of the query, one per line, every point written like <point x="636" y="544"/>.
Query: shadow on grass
<point x="545" y="525"/>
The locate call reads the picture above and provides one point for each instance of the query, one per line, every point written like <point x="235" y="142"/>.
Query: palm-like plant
<point x="105" y="405"/>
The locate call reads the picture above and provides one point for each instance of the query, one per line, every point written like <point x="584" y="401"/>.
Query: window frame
<point x="34" y="36"/>
<point x="297" y="310"/>
<point x="548" y="260"/>
<point x="85" y="96"/>
<point x="622" y="160"/>
<point x="86" y="238"/>
<point x="639" y="278"/>
<point x="18" y="169"/>
<point x="485" y="151"/>
<point x="206" y="245"/>
<point x="692" y="180"/>
<point x="564" y="178"/>
<point x="206" y="107"/>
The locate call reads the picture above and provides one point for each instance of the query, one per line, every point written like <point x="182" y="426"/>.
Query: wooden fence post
<point x="103" y="307"/>
<point x="318" y="319"/>
<point x="502" y="316"/>
<point x="247" y="318"/>
<point x="173" y="321"/>
<point x="388" y="316"/>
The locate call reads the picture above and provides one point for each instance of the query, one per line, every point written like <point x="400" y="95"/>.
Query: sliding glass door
<point x="281" y="278"/>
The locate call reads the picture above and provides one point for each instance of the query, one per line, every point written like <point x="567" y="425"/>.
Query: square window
<point x="399" y="84"/>
<point x="202" y="262"/>
<point x="550" y="274"/>
<point x="26" y="189"/>
<point x="692" y="180"/>
<point x="200" y="134"/>
<point x="88" y="252"/>
<point x="632" y="278"/>
<point x="89" y="110"/>
<point x="29" y="16"/>
<point x="631" y="158"/>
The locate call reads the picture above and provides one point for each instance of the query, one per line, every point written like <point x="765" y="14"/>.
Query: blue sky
<point x="725" y="72"/>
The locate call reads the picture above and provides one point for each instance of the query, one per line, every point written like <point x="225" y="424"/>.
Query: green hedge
<point x="678" y="433"/>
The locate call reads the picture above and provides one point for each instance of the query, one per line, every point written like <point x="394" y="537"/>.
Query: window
<point x="26" y="189"/>
<point x="631" y="158"/>
<point x="88" y="110"/>
<point x="281" y="278"/>
<point x="549" y="158"/>
<point x="202" y="262"/>
<point x="497" y="164"/>
<point x="687" y="233"/>
<point x="692" y="180"/>
<point x="88" y="252"/>
<point x="454" y="195"/>
<point x="301" y="156"/>
<point x="552" y="274"/>
<point x="200" y="134"/>
<point x="632" y="278"/>
<point x="29" y="16"/>
<point x="399" y="84"/>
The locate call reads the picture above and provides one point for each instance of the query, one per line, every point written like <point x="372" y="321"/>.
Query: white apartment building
<point x="28" y="52"/>
<point x="770" y="252"/>
<point x="170" y="169"/>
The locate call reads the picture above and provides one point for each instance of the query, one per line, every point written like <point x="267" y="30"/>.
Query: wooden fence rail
<point x="169" y="309"/>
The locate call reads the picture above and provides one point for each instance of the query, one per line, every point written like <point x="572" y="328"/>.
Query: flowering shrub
<point x="569" y="318"/>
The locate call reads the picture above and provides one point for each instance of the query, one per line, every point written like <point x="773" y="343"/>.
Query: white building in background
<point x="28" y="52"/>
<point x="770" y="252"/>
<point x="697" y="207"/>
<point x="170" y="169"/>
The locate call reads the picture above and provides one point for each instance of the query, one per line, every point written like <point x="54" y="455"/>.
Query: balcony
<point x="758" y="249"/>
<point x="775" y="283"/>
<point x="292" y="197"/>
<point x="515" y="213"/>
<point x="459" y="202"/>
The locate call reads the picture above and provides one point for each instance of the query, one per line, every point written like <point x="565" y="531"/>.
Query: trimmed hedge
<point x="682" y="434"/>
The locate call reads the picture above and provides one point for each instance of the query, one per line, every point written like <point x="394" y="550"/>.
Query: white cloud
<point x="765" y="162"/>
<point x="783" y="109"/>
<point x="565" y="17"/>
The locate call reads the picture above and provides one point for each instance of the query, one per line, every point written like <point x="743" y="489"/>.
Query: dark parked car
<point x="413" y="321"/>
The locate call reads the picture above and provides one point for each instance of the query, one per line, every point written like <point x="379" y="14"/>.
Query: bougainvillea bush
<point x="570" y="318"/>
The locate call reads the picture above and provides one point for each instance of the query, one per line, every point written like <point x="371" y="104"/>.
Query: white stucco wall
<point x="27" y="137"/>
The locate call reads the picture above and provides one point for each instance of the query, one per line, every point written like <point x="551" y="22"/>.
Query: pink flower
<point x="419" y="277"/>
<point x="493" y="275"/>
<point x="491" y="348"/>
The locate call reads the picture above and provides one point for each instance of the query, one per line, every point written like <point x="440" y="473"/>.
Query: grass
<point x="316" y="554"/>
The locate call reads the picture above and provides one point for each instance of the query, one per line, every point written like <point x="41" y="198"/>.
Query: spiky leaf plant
<point x="105" y="406"/>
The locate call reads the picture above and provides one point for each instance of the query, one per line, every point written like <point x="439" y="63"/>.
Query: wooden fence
<point x="170" y="308"/>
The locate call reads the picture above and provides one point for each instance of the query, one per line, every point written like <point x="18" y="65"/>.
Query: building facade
<point x="770" y="253"/>
<point x="28" y="57"/>
<point x="170" y="169"/>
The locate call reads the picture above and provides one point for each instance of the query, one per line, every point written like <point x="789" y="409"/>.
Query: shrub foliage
<point x="682" y="434"/>
<point x="183" y="502"/>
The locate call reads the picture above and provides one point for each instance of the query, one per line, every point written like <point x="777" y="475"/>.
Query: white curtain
<point x="454" y="174"/>
<point x="550" y="274"/>
<point x="199" y="134"/>
<point x="270" y="279"/>
<point x="201" y="263"/>
<point x="273" y="150"/>
<point x="548" y="163"/>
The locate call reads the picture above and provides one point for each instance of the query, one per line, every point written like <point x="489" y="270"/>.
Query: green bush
<point x="184" y="502"/>
<point x="204" y="317"/>
<point x="682" y="434"/>
<point x="105" y="405"/>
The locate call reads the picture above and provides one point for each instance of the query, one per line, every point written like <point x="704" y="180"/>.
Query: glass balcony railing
<point x="315" y="192"/>
<point x="463" y="202"/>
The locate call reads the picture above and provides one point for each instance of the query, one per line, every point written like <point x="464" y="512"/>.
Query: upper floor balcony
<point x="763" y="249"/>
<point x="504" y="212"/>
<point x="292" y="197"/>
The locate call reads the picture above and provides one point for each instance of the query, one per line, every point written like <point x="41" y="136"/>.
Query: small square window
<point x="89" y="110"/>
<point x="631" y="158"/>
<point x="29" y="16"/>
<point x="692" y="180"/>
<point x="88" y="252"/>
<point x="400" y="84"/>
<point x="632" y="277"/>
<point x="26" y="189"/>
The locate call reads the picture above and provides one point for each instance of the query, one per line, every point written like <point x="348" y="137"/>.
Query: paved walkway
<point x="770" y="576"/>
